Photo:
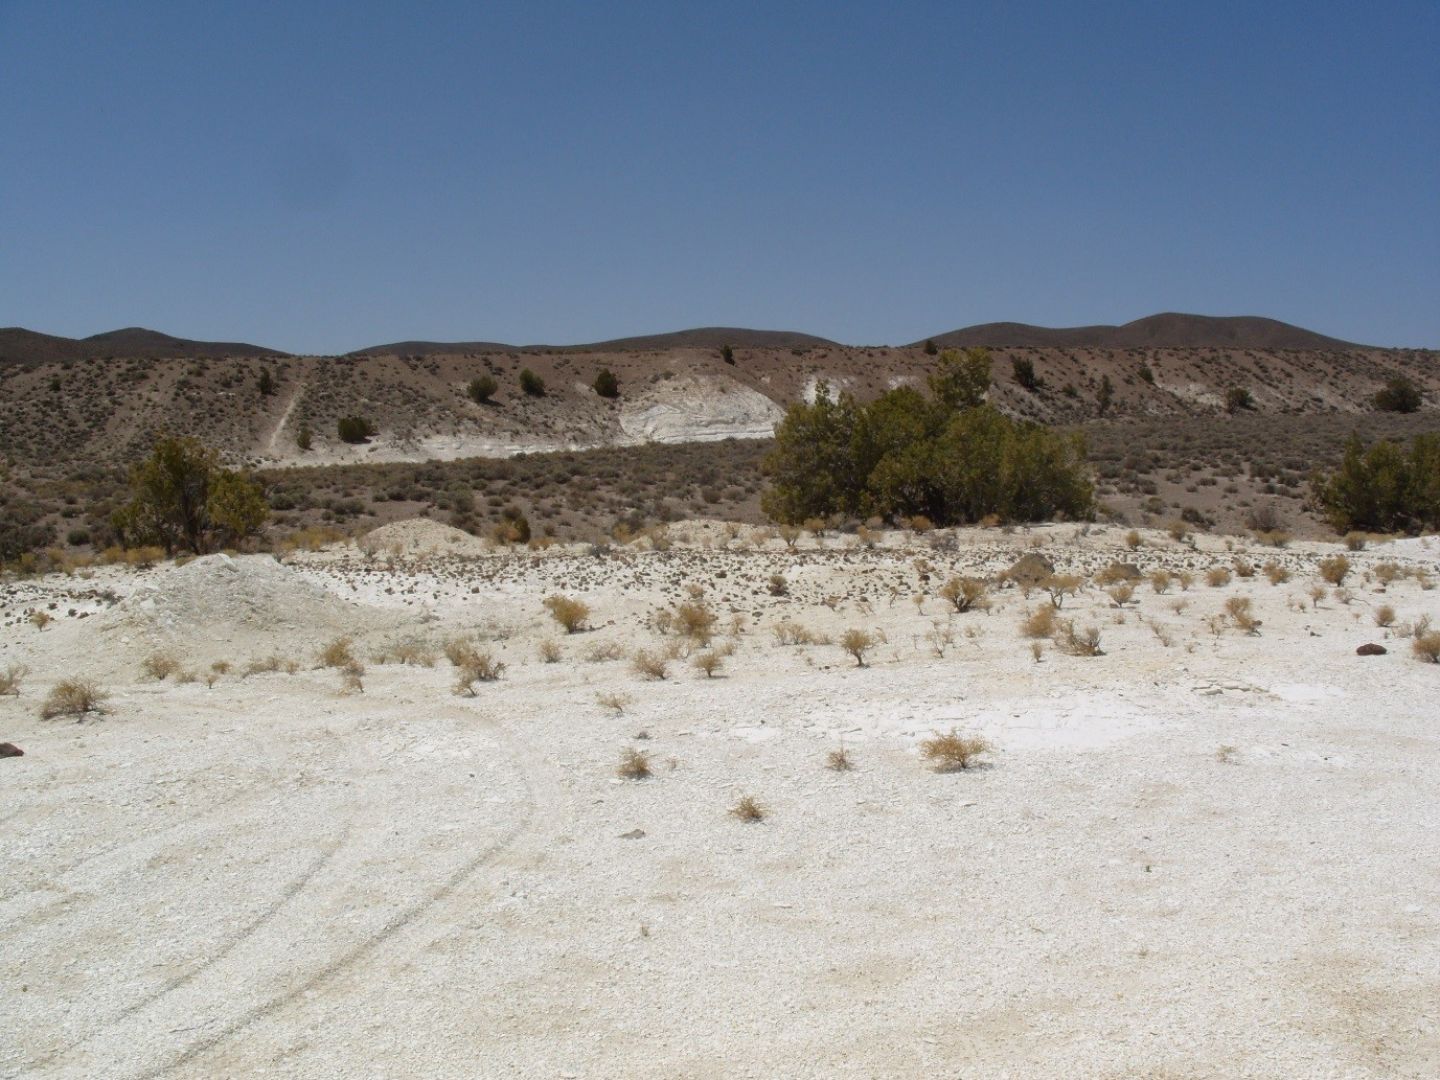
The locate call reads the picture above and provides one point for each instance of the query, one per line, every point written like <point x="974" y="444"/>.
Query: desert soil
<point x="1203" y="853"/>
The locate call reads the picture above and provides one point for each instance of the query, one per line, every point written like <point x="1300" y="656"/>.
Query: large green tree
<point x="183" y="499"/>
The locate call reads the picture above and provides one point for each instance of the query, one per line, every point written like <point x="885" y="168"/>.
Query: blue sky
<point x="320" y="177"/>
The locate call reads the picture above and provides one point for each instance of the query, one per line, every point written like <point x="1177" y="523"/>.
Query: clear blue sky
<point x="318" y="177"/>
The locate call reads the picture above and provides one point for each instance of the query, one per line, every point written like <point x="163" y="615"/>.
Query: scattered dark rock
<point x="9" y="749"/>
<point x="1371" y="649"/>
<point x="633" y="834"/>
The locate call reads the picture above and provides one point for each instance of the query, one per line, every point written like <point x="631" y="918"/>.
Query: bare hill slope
<point x="1170" y="330"/>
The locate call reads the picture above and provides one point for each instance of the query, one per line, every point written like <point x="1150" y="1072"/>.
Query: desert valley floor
<point x="1209" y="851"/>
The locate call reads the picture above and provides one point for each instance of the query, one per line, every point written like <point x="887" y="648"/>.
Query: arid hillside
<point x="104" y="408"/>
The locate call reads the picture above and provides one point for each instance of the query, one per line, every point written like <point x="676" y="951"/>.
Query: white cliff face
<point x="697" y="408"/>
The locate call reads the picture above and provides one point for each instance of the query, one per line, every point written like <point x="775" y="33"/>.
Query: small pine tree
<point x="267" y="382"/>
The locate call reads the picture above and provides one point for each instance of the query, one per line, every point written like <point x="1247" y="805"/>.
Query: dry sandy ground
<point x="1212" y="857"/>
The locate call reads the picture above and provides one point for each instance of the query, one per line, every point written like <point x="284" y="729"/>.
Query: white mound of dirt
<point x="691" y="408"/>
<point x="217" y="595"/>
<point x="420" y="536"/>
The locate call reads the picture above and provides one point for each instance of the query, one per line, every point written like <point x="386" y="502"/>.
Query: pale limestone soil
<point x="266" y="877"/>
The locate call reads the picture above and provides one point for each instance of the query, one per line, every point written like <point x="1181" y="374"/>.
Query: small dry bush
<point x="709" y="663"/>
<point x="789" y="633"/>
<point x="411" y="652"/>
<point x="1132" y="540"/>
<point x="1160" y="581"/>
<point x="337" y="654"/>
<point x="1276" y="573"/>
<point x="1244" y="568"/>
<point x="651" y="665"/>
<point x="1335" y="569"/>
<point x="839" y="760"/>
<point x="634" y="765"/>
<point x="695" y="620"/>
<point x="1186" y="580"/>
<point x="1387" y="573"/>
<point x="615" y="703"/>
<point x="951" y="751"/>
<point x="966" y="593"/>
<point x="268" y="665"/>
<point x="40" y="620"/>
<point x="1355" y="541"/>
<point x="1059" y="586"/>
<point x="572" y="614"/>
<point x="73" y="697"/>
<point x="1122" y="594"/>
<point x="11" y="678"/>
<point x="857" y="643"/>
<point x="549" y="651"/>
<point x="1427" y="646"/>
<point x="777" y="585"/>
<point x="1114" y="574"/>
<point x="748" y="809"/>
<point x="1040" y="623"/>
<point x="1238" y="608"/>
<point x="477" y="667"/>
<point x="1384" y="616"/>
<point x="352" y="678"/>
<point x="605" y="651"/>
<point x="1217" y="577"/>
<point x="160" y="665"/>
<point x="1078" y="642"/>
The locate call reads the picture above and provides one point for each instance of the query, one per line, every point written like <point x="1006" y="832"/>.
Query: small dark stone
<point x="1371" y="649"/>
<point x="9" y="749"/>
<point x="633" y="834"/>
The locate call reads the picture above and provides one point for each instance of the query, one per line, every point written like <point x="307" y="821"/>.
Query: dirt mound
<point x="217" y="595"/>
<point x="420" y="536"/>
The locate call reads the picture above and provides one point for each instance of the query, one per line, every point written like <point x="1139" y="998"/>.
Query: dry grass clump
<point x="651" y="665"/>
<point x="966" y="594"/>
<point x="614" y="702"/>
<point x="748" y="809"/>
<point x="73" y="697"/>
<point x="1384" y="616"/>
<point x="709" y="662"/>
<point x="1132" y="539"/>
<point x="1114" y="573"/>
<point x="789" y="633"/>
<point x="1276" y="573"/>
<point x="40" y="620"/>
<point x="695" y="620"/>
<point x="1078" y="642"/>
<point x="1238" y="608"/>
<point x="549" y="651"/>
<point x="1335" y="569"/>
<point x="1217" y="577"/>
<point x="1040" y="623"/>
<point x="572" y="614"/>
<point x="11" y="678"/>
<point x="1426" y="646"/>
<point x="1387" y="573"/>
<point x="1122" y="594"/>
<point x="951" y="751"/>
<point x="267" y="665"/>
<point x="410" y="651"/>
<point x="605" y="651"/>
<point x="337" y="654"/>
<point x="839" y="760"/>
<point x="160" y="665"/>
<point x="1160" y="581"/>
<point x="634" y="765"/>
<point x="857" y="643"/>
<point x="1356" y="541"/>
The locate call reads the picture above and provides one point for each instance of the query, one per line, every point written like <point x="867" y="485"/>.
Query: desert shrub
<point x="73" y="697"/>
<point x="1384" y="616"/>
<point x="1059" y="586"/>
<point x="947" y="457"/>
<point x="1387" y="572"/>
<point x="572" y="614"/>
<point x="513" y="528"/>
<point x="651" y="665"/>
<point x="1133" y="540"/>
<point x="1239" y="610"/>
<point x="1335" y="569"/>
<point x="1122" y="593"/>
<point x="1238" y="399"/>
<point x="839" y="760"/>
<point x="160" y="665"/>
<point x="409" y="651"/>
<point x="1160" y="581"/>
<point x="952" y="752"/>
<point x="482" y="388"/>
<point x="606" y="384"/>
<point x="727" y="353"/>
<point x="1276" y="573"/>
<point x="352" y="677"/>
<point x="11" y="678"/>
<point x="748" y="809"/>
<point x="304" y="438"/>
<point x="1023" y="369"/>
<point x="1399" y="395"/>
<point x="549" y="651"/>
<point x="789" y="633"/>
<point x="1217" y="577"/>
<point x="634" y="765"/>
<point x="777" y="585"/>
<point x="532" y="385"/>
<point x="1115" y="573"/>
<point x="965" y="593"/>
<point x="336" y="654"/>
<point x="604" y="651"/>
<point x="709" y="663"/>
<point x="1077" y="642"/>
<point x="1356" y="540"/>
<point x="1383" y="488"/>
<point x="614" y="702"/>
<point x="476" y="667"/>
<point x="354" y="429"/>
<point x="1040" y="623"/>
<point x="182" y="499"/>
<point x="696" y="621"/>
<point x="1427" y="646"/>
<point x="857" y="643"/>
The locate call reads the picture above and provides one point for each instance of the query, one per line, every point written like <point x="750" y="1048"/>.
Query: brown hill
<point x="18" y="345"/>
<point x="1170" y="330"/>
<point x="704" y="337"/>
